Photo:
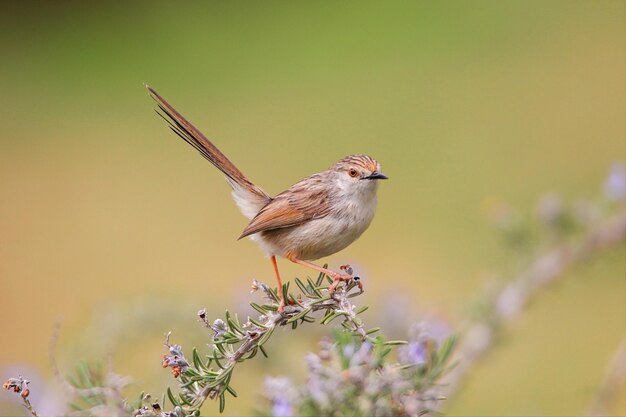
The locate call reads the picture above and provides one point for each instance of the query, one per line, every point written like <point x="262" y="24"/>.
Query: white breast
<point x="351" y="215"/>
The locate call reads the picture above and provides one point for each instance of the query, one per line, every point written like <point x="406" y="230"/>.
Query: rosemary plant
<point x="209" y="377"/>
<point x="360" y="377"/>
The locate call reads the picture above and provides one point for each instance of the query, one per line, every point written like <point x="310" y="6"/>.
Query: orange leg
<point x="337" y="278"/>
<point x="281" y="305"/>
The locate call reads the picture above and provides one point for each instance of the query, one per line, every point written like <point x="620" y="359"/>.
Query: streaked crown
<point x="365" y="162"/>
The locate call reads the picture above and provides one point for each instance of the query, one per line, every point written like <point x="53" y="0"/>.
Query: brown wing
<point x="302" y="202"/>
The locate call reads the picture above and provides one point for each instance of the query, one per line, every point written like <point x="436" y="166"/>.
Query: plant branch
<point x="234" y="342"/>
<point x="612" y="383"/>
<point x="505" y="304"/>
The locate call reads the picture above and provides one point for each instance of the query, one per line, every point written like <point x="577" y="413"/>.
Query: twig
<point x="612" y="384"/>
<point x="508" y="302"/>
<point x="19" y="385"/>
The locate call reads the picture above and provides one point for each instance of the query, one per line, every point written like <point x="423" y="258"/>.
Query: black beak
<point x="376" y="176"/>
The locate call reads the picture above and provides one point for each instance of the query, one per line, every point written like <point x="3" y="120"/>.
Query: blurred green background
<point x="111" y="224"/>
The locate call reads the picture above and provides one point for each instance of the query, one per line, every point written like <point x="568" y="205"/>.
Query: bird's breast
<point x="323" y="236"/>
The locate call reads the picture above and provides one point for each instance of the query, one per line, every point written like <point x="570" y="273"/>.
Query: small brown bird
<point x="316" y="217"/>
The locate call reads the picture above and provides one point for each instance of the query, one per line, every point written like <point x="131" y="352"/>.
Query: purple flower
<point x="282" y="408"/>
<point x="615" y="183"/>
<point x="281" y="392"/>
<point x="415" y="353"/>
<point x="176" y="350"/>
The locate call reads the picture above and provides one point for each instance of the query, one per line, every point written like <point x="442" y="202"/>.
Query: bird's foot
<point x="337" y="278"/>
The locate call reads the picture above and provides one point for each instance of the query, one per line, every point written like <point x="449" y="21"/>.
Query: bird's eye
<point x="353" y="172"/>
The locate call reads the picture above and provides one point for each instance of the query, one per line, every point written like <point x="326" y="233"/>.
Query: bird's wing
<point x="304" y="201"/>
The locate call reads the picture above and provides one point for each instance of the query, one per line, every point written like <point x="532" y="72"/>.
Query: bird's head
<point x="358" y="172"/>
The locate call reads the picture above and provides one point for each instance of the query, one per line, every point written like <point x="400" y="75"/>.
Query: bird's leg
<point x="281" y="304"/>
<point x="336" y="277"/>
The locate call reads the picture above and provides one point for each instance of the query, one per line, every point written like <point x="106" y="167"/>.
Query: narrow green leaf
<point x="262" y="349"/>
<point x="321" y="300"/>
<point x="234" y="325"/>
<point x="251" y="354"/>
<point x="273" y="294"/>
<point x="184" y="401"/>
<point x="320" y="279"/>
<point x="447" y="348"/>
<point x="220" y="347"/>
<point x="314" y="287"/>
<point x="82" y="369"/>
<point x="395" y="342"/>
<point x="331" y="317"/>
<point x="299" y="315"/>
<point x="266" y="336"/>
<point x="75" y="407"/>
<point x="196" y="360"/>
<point x="217" y="360"/>
<point x="258" y="308"/>
<point x="187" y="384"/>
<point x="302" y="287"/>
<point x="256" y="323"/>
<point x="190" y="373"/>
<point x="222" y="403"/>
<point x="231" y="391"/>
<point x="171" y="397"/>
<point x="73" y="382"/>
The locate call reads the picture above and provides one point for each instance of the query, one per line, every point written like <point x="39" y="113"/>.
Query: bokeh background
<point x="109" y="223"/>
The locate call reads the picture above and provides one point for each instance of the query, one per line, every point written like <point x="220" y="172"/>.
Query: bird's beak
<point x="376" y="176"/>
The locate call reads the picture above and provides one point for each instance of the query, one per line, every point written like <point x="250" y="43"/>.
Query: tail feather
<point x="249" y="197"/>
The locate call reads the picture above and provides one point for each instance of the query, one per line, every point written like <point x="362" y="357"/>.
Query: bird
<point x="314" y="218"/>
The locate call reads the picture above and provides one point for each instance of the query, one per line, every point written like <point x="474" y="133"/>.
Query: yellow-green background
<point x="111" y="224"/>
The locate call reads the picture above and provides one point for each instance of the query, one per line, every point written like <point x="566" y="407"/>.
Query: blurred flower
<point x="355" y="379"/>
<point x="415" y="353"/>
<point x="361" y="356"/>
<point x="615" y="183"/>
<point x="550" y="209"/>
<point x="511" y="300"/>
<point x="282" y="408"/>
<point x="281" y="393"/>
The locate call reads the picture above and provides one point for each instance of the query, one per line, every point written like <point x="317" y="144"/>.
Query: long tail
<point x="249" y="197"/>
